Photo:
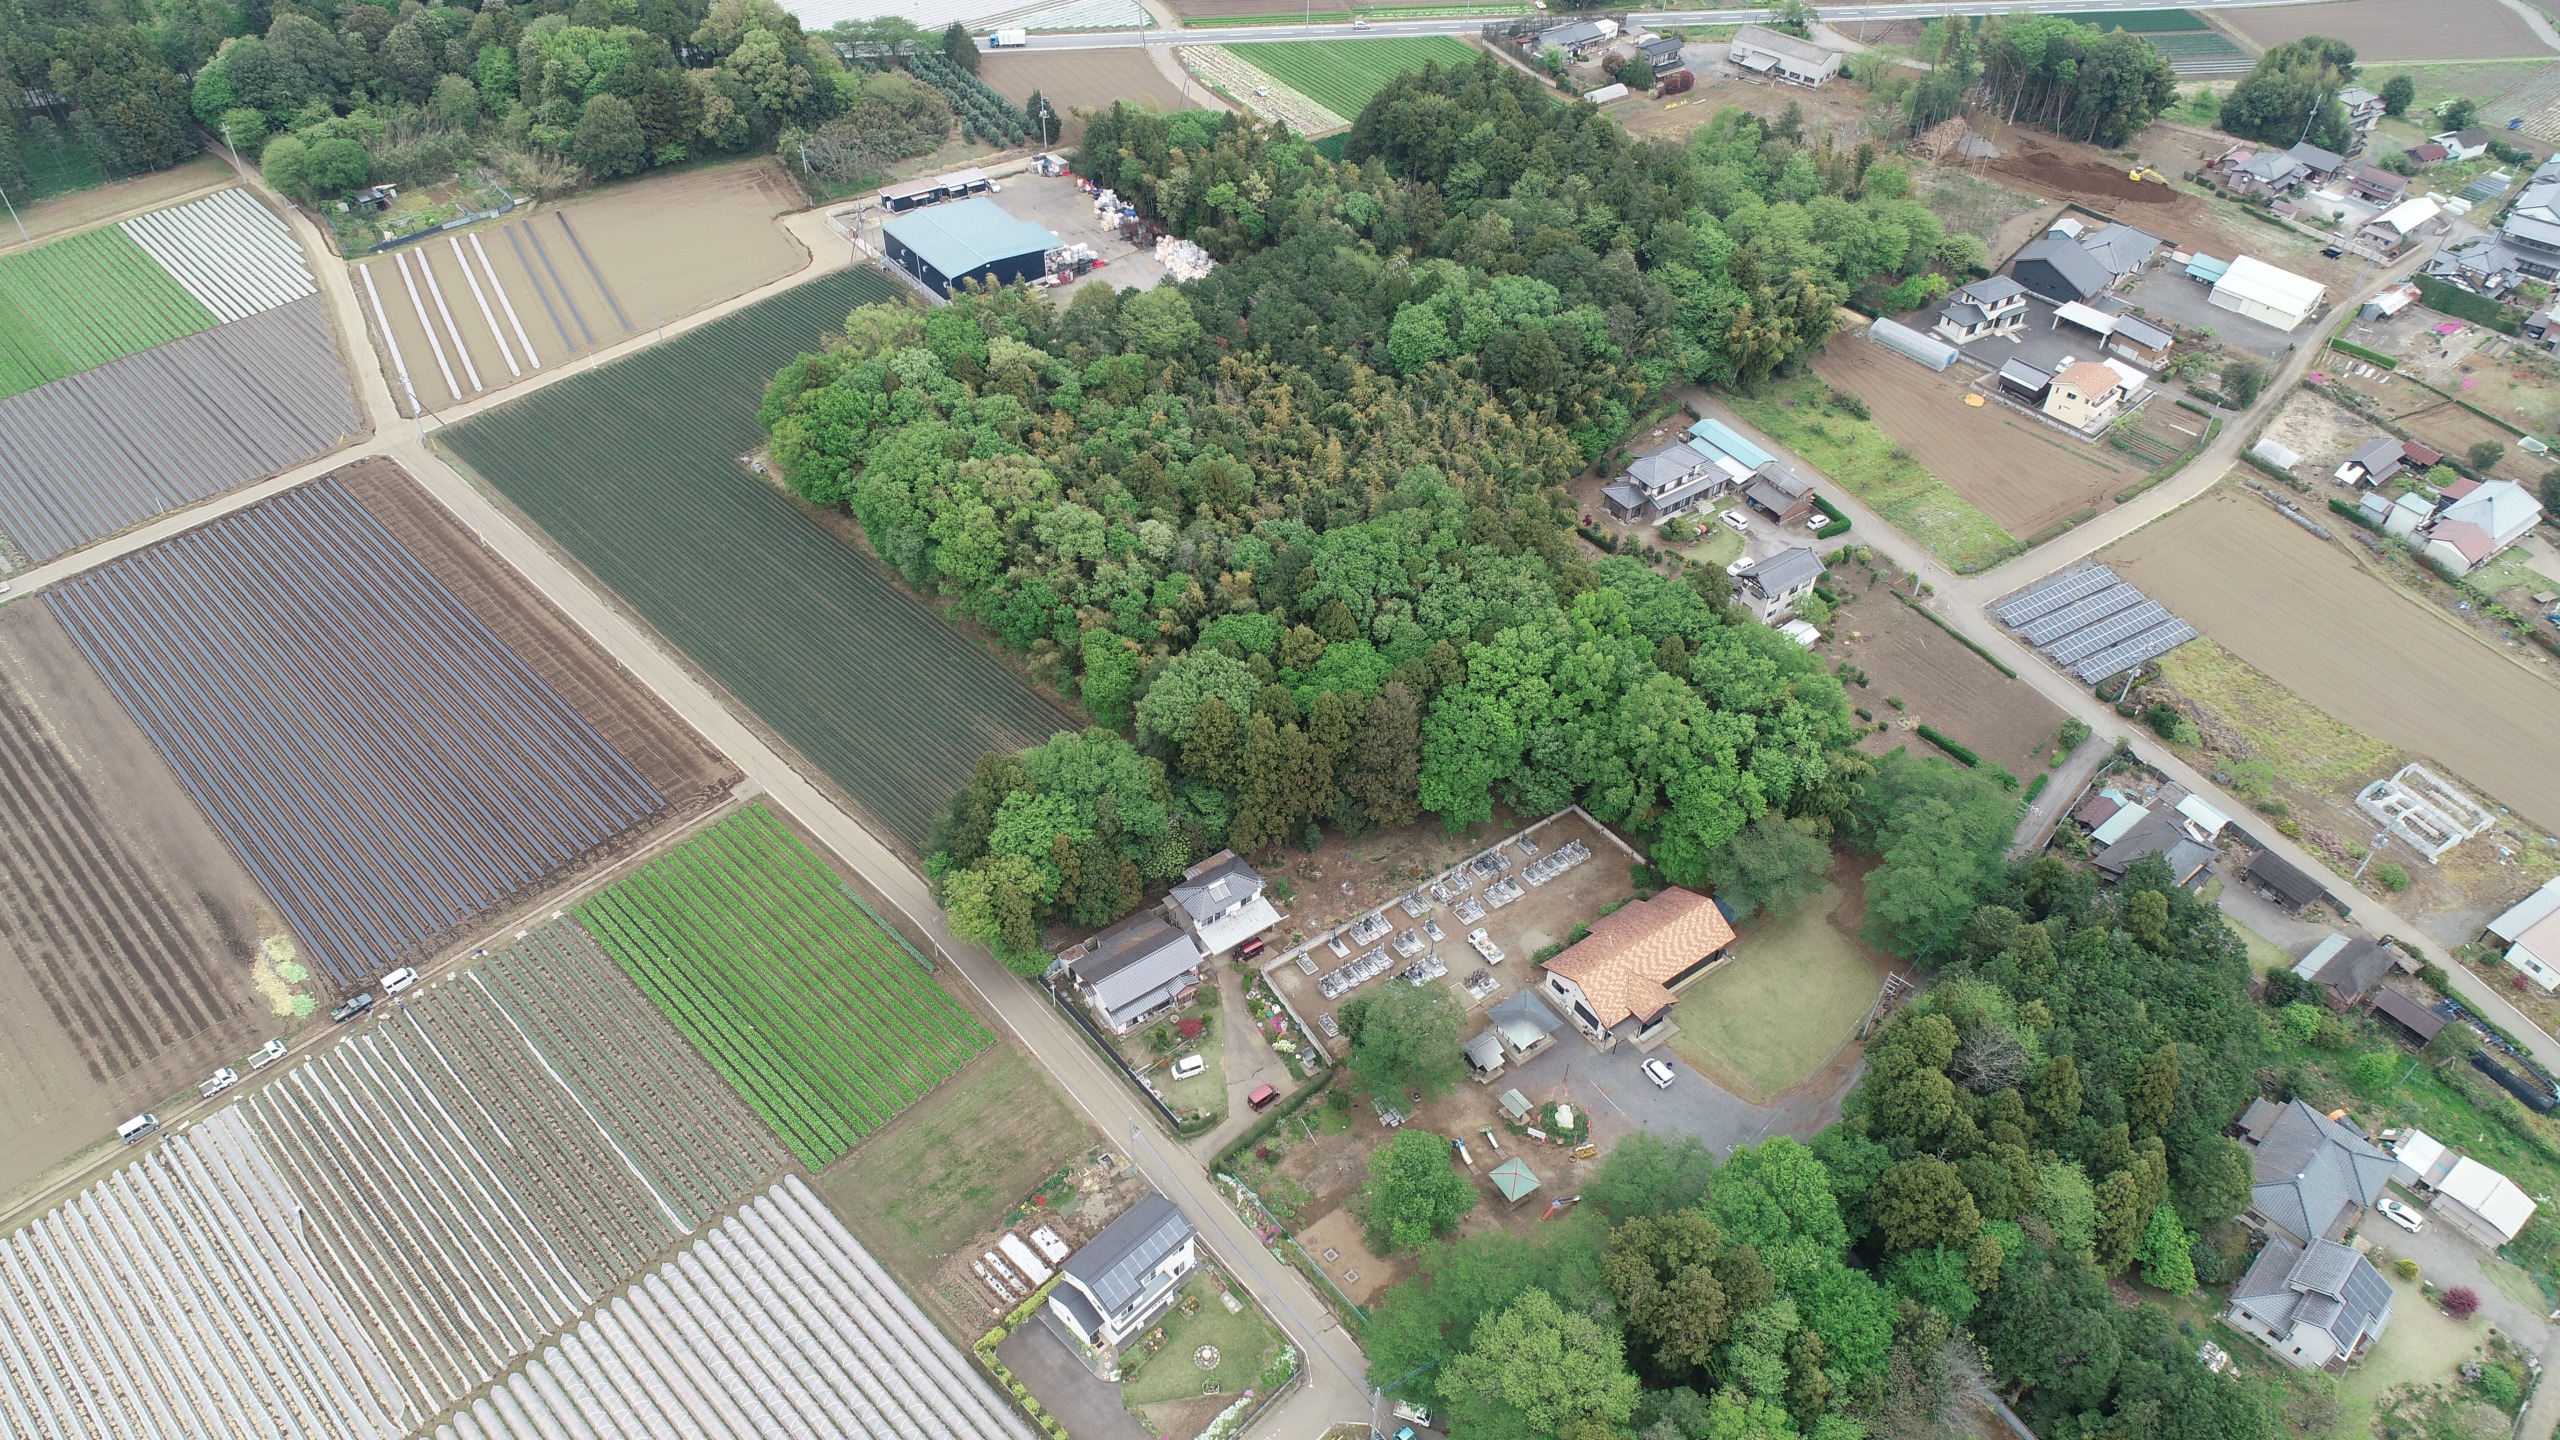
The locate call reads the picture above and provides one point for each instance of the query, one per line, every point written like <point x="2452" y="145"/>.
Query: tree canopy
<point x="2291" y="95"/>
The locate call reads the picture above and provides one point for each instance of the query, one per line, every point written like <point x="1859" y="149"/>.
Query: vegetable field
<point x="1344" y="75"/>
<point x="83" y="301"/>
<point x="634" y="470"/>
<point x="816" y="1013"/>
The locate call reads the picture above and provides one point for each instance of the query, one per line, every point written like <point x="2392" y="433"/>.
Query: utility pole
<point x="13" y="216"/>
<point x="2378" y="842"/>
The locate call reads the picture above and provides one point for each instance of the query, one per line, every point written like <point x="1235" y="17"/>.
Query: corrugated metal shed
<point x="1903" y="340"/>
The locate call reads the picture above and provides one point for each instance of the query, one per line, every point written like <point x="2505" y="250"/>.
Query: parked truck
<point x="1008" y="39"/>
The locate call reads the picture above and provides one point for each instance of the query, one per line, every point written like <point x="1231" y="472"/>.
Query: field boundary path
<point x="1336" y="1389"/>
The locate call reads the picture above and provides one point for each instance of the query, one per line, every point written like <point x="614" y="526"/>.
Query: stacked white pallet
<point x="176" y="1298"/>
<point x="775" y="1323"/>
<point x="229" y="251"/>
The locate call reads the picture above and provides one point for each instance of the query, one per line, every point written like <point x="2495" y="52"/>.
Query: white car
<point x="223" y="1079"/>
<point x="399" y="980"/>
<point x="1660" y="1073"/>
<point x="2400" y="1215"/>
<point x="1735" y="518"/>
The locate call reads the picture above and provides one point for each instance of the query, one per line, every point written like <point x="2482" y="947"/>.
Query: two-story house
<point x="1220" y="902"/>
<point x="2314" y="1305"/>
<point x="1996" y="305"/>
<point x="1668" y="480"/>
<point x="2086" y="395"/>
<point x="1135" y="970"/>
<point x="1110" y="1291"/>
<point x="1771" y="587"/>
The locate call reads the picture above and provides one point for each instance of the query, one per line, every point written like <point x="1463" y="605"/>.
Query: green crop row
<point x="816" y="1015"/>
<point x="634" y="470"/>
<point x="1345" y="75"/>
<point x="80" y="302"/>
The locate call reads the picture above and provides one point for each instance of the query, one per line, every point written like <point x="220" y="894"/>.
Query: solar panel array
<point x="2091" y="623"/>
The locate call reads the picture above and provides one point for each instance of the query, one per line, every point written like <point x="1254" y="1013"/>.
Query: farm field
<point x="477" y="310"/>
<point x="1787" y="1005"/>
<point x="942" y="1173"/>
<point x="2346" y="642"/>
<point x="1858" y="456"/>
<point x="1940" y="682"/>
<point x="387" y="769"/>
<point x="634" y="471"/>
<point x="103" y="451"/>
<point x="816" y="1013"/>
<point x="2381" y="32"/>
<point x="669" y="754"/>
<point x="1082" y="80"/>
<point x="2026" y="477"/>
<point x="127" y="930"/>
<point x="387" y="1225"/>
<point x="776" y="1321"/>
<point x="1344" y="75"/>
<point x="67" y="211"/>
<point x="85" y="300"/>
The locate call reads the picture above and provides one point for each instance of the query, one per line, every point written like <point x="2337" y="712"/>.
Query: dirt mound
<point x="2077" y="176"/>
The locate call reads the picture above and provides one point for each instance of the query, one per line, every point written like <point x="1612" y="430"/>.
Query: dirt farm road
<point x="1962" y="603"/>
<point x="1335" y="1385"/>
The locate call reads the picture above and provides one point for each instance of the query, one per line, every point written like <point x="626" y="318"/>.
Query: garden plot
<point x="101" y="452"/>
<point x="127" y="931"/>
<point x="634" y="470"/>
<point x="777" y="1322"/>
<point x="1265" y="94"/>
<point x="230" y="252"/>
<point x="458" y="315"/>
<point x="384" y="1229"/>
<point x="388" y="770"/>
<point x="1343" y="76"/>
<point x="820" y="1016"/>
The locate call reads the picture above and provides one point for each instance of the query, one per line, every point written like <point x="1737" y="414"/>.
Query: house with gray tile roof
<point x="2314" y="1177"/>
<point x="1135" y="969"/>
<point x="1116" y="1286"/>
<point x="2314" y="1305"/>
<point x="1221" y="902"/>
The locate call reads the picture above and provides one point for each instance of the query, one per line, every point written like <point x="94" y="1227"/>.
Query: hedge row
<point x="2447" y="298"/>
<point x="2370" y="357"/>
<point x="1963" y="639"/>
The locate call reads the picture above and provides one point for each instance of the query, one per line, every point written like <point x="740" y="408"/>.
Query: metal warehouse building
<point x="973" y="240"/>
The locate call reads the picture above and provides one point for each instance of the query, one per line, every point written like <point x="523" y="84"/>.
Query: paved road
<point x="1335" y="1388"/>
<point x="1384" y="28"/>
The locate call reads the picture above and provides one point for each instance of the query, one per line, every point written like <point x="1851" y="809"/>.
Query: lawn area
<point x="1246" y="1344"/>
<point x="1862" y="459"/>
<point x="820" y="1017"/>
<point x="2264" y="954"/>
<point x="1789" y="1002"/>
<point x="1344" y="75"/>
<point x="948" y="1169"/>
<point x="1151" y="1050"/>
<point x="2423" y="1346"/>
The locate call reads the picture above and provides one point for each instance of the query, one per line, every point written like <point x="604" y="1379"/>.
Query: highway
<point x="1387" y="28"/>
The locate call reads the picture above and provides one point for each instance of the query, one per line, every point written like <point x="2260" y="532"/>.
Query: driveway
<point x="2445" y="1258"/>
<point x="1613" y="1087"/>
<point x="2035" y="827"/>
<point x="1088" y="1408"/>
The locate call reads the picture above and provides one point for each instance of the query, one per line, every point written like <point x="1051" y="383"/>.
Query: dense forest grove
<point x="1296" y="535"/>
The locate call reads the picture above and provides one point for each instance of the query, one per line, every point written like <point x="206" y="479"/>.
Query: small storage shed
<point x="1903" y="340"/>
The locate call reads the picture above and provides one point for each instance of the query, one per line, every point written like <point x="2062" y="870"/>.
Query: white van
<point x="1190" y="1067"/>
<point x="399" y="980"/>
<point x="137" y="1127"/>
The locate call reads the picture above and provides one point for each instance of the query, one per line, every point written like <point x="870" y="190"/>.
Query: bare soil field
<point x="678" y="763"/>
<point x="2501" y="374"/>
<point x="128" y="933"/>
<point x="2303" y="611"/>
<point x="1937" y="679"/>
<point x="2320" y="430"/>
<point x="576" y="277"/>
<point x="2385" y="30"/>
<point x="2436" y="420"/>
<point x="2024" y="476"/>
<point x="82" y="209"/>
<point x="1084" y="80"/>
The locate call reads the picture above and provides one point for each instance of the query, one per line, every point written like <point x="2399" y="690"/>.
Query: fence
<point x="1093" y="1033"/>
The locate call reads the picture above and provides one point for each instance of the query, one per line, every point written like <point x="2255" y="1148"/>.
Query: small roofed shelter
<point x="2025" y="381"/>
<point x="2139" y="339"/>
<point x="2407" y="1016"/>
<point x="1484" y="1057"/>
<point x="2482" y="1202"/>
<point x="1780" y="496"/>
<point x="2419" y="1159"/>
<point x="2376" y="461"/>
<point x="1621" y="980"/>
<point x="2086" y="317"/>
<point x="2285" y="883"/>
<point x="1514" y="1179"/>
<point x="2261" y="292"/>
<point x="1902" y="340"/>
<point x="1515" y="1104"/>
<point x="951" y="246"/>
<point x="1780" y="56"/>
<point x="1526" y="1024"/>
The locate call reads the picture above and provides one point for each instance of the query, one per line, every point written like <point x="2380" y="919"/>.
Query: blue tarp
<point x="1722" y="436"/>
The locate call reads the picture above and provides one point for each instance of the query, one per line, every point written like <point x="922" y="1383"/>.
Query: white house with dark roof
<point x="1994" y="305"/>
<point x="1771" y="587"/>
<point x="1782" y="56"/>
<point x="1669" y="480"/>
<point x="2314" y="1176"/>
<point x="1136" y="970"/>
<point x="1220" y="902"/>
<point x="2314" y="1305"/>
<point x="1114" y="1288"/>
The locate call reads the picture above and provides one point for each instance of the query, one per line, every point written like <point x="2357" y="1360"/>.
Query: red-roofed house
<point x="2421" y="457"/>
<point x="1620" y="981"/>
<point x="2480" y="522"/>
